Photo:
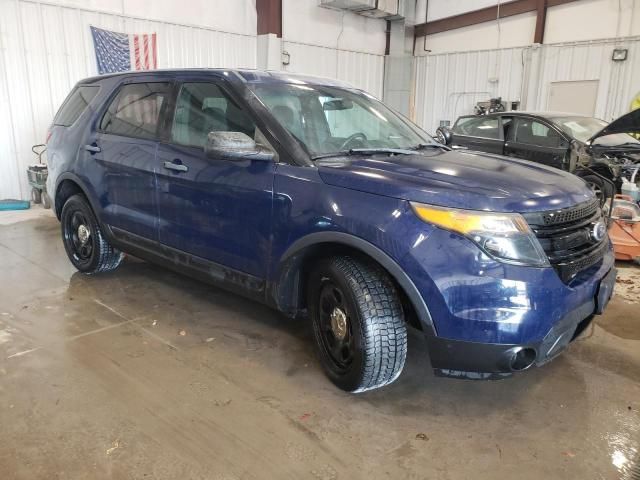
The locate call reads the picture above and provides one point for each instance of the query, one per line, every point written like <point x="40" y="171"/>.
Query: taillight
<point x="49" y="133"/>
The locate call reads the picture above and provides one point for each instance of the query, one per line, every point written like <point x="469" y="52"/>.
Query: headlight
<point x="503" y="236"/>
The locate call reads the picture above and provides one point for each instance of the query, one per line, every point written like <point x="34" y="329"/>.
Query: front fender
<point x="290" y="263"/>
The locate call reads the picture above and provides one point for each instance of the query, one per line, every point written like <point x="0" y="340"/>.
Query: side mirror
<point x="444" y="135"/>
<point x="235" y="146"/>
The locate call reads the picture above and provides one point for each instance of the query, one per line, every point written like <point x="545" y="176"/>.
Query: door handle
<point x="178" y="167"/>
<point x="92" y="148"/>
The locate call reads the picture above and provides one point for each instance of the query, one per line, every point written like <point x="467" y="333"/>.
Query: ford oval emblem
<point x="598" y="231"/>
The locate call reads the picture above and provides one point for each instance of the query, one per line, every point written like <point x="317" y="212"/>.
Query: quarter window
<point x="136" y="110"/>
<point x="484" y="127"/>
<point x="77" y="102"/>
<point x="204" y="107"/>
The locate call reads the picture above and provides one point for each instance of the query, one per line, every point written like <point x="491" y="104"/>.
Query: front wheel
<point x="599" y="186"/>
<point x="358" y="323"/>
<point x="83" y="240"/>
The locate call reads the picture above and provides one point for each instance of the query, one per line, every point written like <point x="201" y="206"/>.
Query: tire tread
<point x="384" y="331"/>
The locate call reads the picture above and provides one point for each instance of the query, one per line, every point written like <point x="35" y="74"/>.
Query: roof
<point x="549" y="115"/>
<point x="244" y="75"/>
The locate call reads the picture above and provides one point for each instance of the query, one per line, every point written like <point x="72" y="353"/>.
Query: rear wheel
<point x="358" y="324"/>
<point x="83" y="240"/>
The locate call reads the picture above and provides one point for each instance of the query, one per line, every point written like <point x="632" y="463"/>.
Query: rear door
<point x="214" y="209"/>
<point x="125" y="146"/>
<point x="537" y="141"/>
<point x="478" y="133"/>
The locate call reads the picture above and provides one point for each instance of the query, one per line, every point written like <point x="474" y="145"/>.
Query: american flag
<point x="120" y="52"/>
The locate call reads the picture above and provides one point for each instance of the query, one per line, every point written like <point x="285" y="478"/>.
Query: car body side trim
<point x="186" y="263"/>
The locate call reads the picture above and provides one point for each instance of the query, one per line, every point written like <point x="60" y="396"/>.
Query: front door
<point x="214" y="209"/>
<point x="533" y="140"/>
<point x="124" y="149"/>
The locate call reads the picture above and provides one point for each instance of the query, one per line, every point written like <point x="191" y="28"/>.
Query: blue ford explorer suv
<point x="316" y="199"/>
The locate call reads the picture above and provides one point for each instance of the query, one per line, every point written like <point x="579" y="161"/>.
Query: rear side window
<point x="136" y="110"/>
<point x="77" y="102"/>
<point x="485" y="127"/>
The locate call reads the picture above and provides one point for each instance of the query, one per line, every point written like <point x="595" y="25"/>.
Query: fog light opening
<point x="523" y="359"/>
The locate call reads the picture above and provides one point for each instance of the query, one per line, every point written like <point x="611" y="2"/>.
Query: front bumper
<point x="463" y="359"/>
<point x="490" y="319"/>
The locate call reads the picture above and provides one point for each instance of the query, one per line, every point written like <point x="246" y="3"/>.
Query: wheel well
<point x="599" y="168"/>
<point x="291" y="292"/>
<point x="66" y="190"/>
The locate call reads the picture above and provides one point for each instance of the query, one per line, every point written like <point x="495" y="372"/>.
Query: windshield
<point x="583" y="128"/>
<point x="328" y="120"/>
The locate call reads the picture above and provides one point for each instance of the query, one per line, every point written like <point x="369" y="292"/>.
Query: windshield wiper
<point x="421" y="146"/>
<point x="366" y="151"/>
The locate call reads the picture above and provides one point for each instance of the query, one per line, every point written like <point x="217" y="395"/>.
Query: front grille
<point x="565" y="235"/>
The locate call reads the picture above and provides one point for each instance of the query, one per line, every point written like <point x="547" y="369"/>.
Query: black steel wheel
<point x="83" y="239"/>
<point x="358" y="323"/>
<point x="336" y="332"/>
<point x="78" y="237"/>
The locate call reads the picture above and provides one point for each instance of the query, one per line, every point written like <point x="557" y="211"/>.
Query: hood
<point x="627" y="123"/>
<point x="458" y="179"/>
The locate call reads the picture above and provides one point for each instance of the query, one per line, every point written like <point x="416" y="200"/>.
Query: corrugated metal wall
<point x="449" y="85"/>
<point x="618" y="83"/>
<point x="363" y="70"/>
<point x="45" y="50"/>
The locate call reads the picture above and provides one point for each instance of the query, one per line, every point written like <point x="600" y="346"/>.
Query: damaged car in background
<point x="604" y="155"/>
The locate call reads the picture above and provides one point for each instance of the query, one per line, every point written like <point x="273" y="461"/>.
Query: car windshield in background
<point x="583" y="128"/>
<point x="329" y="120"/>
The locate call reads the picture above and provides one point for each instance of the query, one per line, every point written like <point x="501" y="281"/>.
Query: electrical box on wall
<point x="387" y="9"/>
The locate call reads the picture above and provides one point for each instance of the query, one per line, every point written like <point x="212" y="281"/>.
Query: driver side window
<point x="531" y="132"/>
<point x="204" y="107"/>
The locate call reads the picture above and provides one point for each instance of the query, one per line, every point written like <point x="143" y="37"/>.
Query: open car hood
<point x="627" y="123"/>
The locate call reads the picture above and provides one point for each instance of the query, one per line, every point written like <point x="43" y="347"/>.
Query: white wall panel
<point x="303" y="21"/>
<point x="45" y="49"/>
<point x="619" y="82"/>
<point x="516" y="31"/>
<point x="362" y="70"/>
<point x="449" y="85"/>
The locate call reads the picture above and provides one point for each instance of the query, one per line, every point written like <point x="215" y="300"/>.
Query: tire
<point x="36" y="195"/>
<point x="83" y="239"/>
<point x="358" y="324"/>
<point x="601" y="188"/>
<point x="46" y="201"/>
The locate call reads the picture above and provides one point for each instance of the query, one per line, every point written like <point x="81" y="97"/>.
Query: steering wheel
<point x="352" y="138"/>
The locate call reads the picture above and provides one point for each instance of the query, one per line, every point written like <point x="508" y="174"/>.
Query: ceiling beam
<point x="269" y="14"/>
<point x="487" y="14"/>
<point x="541" y="19"/>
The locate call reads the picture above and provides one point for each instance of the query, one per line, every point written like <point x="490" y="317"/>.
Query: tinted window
<point x="532" y="132"/>
<point x="204" y="107"/>
<point x="485" y="127"/>
<point x="79" y="99"/>
<point x="135" y="112"/>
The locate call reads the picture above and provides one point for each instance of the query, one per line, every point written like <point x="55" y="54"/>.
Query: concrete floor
<point x="142" y="373"/>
